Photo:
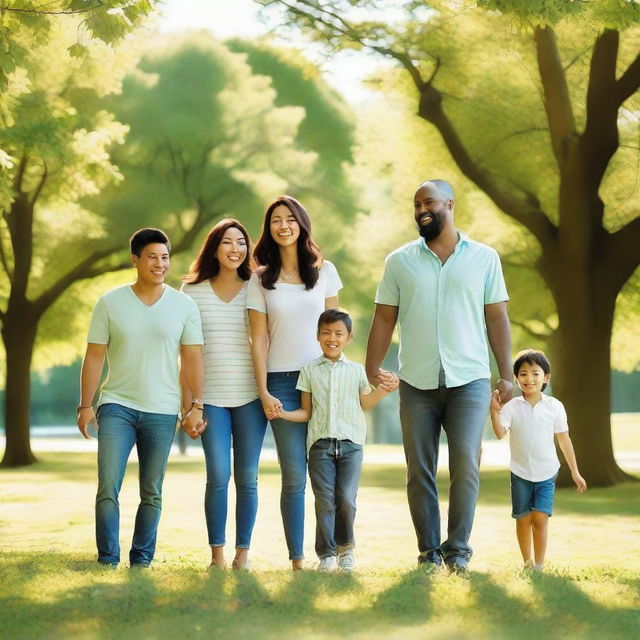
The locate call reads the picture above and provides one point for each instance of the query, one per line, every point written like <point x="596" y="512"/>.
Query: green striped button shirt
<point x="335" y="389"/>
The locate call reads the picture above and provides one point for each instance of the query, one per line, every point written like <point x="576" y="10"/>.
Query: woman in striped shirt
<point x="217" y="282"/>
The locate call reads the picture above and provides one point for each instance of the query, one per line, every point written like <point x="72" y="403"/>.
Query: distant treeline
<point x="55" y="396"/>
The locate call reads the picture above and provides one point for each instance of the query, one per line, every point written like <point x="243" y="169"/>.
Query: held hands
<point x="271" y="406"/>
<point x="85" y="417"/>
<point x="505" y="389"/>
<point x="193" y="422"/>
<point x="580" y="482"/>
<point x="496" y="405"/>
<point x="388" y="380"/>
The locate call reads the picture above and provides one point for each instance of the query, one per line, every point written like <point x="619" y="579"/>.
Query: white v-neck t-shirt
<point x="229" y="380"/>
<point x="292" y="317"/>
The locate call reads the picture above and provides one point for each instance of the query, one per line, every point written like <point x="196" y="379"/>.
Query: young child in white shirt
<point x="533" y="419"/>
<point x="335" y="391"/>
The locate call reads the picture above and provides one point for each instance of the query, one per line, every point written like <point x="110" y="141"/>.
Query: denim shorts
<point x="527" y="496"/>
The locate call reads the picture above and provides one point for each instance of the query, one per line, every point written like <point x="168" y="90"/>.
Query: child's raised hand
<point x="496" y="406"/>
<point x="580" y="482"/>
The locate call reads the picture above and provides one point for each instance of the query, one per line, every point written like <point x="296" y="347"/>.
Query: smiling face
<point x="232" y="250"/>
<point x="531" y="378"/>
<point x="284" y="227"/>
<point x="431" y="210"/>
<point x="152" y="264"/>
<point x="333" y="338"/>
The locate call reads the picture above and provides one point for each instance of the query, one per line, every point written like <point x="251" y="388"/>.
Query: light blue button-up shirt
<point x="335" y="389"/>
<point x="441" y="310"/>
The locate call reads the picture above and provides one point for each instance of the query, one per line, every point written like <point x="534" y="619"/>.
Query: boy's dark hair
<point x="147" y="235"/>
<point x="329" y="316"/>
<point x="531" y="357"/>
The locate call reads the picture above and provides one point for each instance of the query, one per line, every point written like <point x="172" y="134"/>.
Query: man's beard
<point x="432" y="230"/>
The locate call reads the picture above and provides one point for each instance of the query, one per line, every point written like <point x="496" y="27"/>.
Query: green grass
<point x="51" y="587"/>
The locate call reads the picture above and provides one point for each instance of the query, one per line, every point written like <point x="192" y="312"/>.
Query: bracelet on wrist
<point x="80" y="408"/>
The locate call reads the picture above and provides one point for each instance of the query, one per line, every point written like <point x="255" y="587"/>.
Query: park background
<point x="114" y="116"/>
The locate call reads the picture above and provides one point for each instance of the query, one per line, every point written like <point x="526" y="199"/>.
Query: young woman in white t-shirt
<point x="218" y="282"/>
<point x="291" y="288"/>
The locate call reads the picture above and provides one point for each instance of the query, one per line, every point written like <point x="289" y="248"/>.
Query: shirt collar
<point x="463" y="239"/>
<point x="543" y="398"/>
<point x="331" y="362"/>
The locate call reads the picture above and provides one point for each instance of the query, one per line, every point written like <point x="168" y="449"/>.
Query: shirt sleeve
<point x="192" y="332"/>
<point x="495" y="290"/>
<point x="506" y="416"/>
<point x="363" y="383"/>
<point x="99" y="327"/>
<point x="333" y="284"/>
<point x="255" y="295"/>
<point x="304" y="384"/>
<point x="560" y="423"/>
<point x="388" y="291"/>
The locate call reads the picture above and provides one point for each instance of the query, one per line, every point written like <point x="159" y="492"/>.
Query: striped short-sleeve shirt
<point x="229" y="377"/>
<point x="335" y="389"/>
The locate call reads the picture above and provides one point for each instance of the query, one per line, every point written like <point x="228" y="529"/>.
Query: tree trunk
<point x="585" y="295"/>
<point x="18" y="335"/>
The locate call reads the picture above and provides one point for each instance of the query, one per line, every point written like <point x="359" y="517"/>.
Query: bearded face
<point x="430" y="224"/>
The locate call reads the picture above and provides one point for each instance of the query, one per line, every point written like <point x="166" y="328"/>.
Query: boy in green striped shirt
<point x="335" y="392"/>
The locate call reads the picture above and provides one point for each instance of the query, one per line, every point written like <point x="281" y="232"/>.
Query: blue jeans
<point x="461" y="412"/>
<point x="152" y="433"/>
<point x="246" y="426"/>
<point x="334" y="469"/>
<point x="291" y="444"/>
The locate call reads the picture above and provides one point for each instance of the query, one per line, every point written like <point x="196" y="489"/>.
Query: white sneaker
<point x="347" y="561"/>
<point x="328" y="565"/>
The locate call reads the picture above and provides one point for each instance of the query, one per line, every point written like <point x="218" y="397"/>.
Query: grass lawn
<point x="51" y="587"/>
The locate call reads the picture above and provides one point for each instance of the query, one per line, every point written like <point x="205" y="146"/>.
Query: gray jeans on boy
<point x="334" y="469"/>
<point x="461" y="412"/>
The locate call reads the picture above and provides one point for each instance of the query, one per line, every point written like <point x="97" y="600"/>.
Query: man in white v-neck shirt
<point x="143" y="329"/>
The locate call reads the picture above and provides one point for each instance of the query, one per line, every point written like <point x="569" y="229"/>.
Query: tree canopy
<point x="536" y="103"/>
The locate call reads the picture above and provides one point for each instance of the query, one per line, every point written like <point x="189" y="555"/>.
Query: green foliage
<point x="609" y="13"/>
<point x="25" y="23"/>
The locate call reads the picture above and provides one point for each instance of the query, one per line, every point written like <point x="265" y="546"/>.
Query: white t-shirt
<point x="292" y="317"/>
<point x="143" y="344"/>
<point x="533" y="454"/>
<point x="229" y="380"/>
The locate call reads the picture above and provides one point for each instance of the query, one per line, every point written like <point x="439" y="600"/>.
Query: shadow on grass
<point x="189" y="602"/>
<point x="66" y="596"/>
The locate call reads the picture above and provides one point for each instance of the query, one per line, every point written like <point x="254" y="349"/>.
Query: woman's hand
<point x="271" y="405"/>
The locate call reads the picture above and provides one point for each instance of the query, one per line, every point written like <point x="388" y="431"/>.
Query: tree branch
<point x="621" y="252"/>
<point x="629" y="81"/>
<point x="525" y="327"/>
<point x="557" y="101"/>
<point x="79" y="272"/>
<point x="19" y="177"/>
<point x="61" y="12"/>
<point x="524" y="210"/>
<point x="38" y="190"/>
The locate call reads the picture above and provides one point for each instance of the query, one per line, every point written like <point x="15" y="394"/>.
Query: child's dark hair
<point x="147" y="235"/>
<point x="531" y="357"/>
<point x="329" y="316"/>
